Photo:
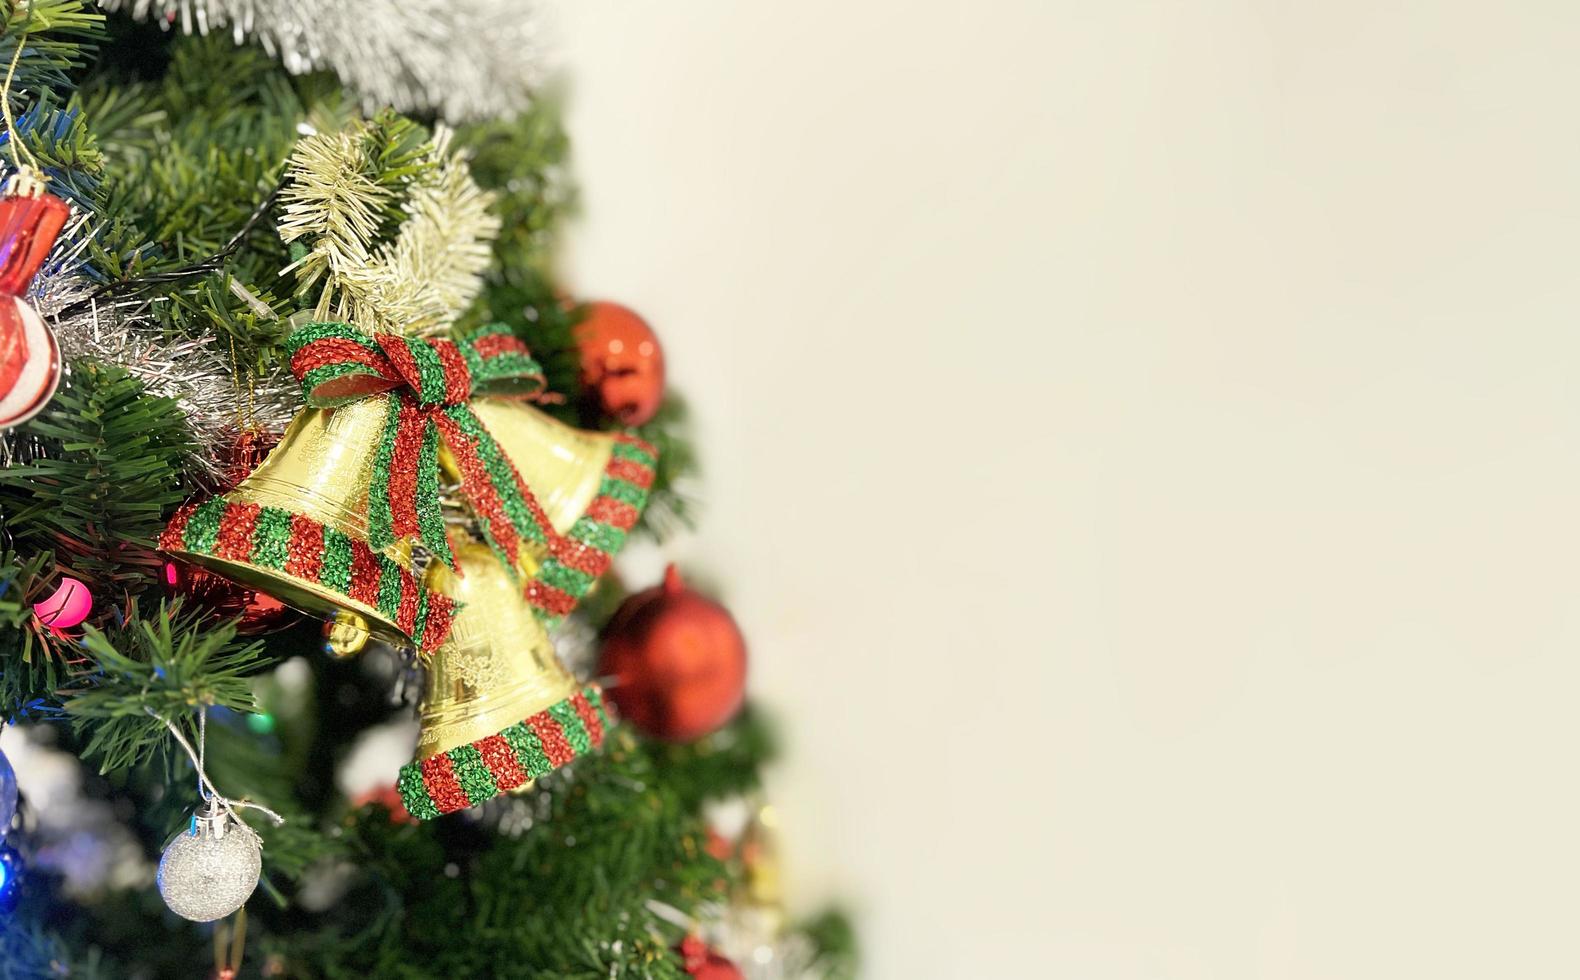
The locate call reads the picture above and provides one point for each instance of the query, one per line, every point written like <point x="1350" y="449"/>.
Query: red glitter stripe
<point x="549" y="732"/>
<point x="496" y="344"/>
<point x="550" y="599"/>
<point x="501" y="761"/>
<point x="364" y="575"/>
<point x="441" y="609"/>
<point x="171" y="539"/>
<point x="438" y="777"/>
<point x="642" y="444"/>
<point x="479" y="489"/>
<point x="333" y="350"/>
<point x="457" y="376"/>
<point x="630" y="471"/>
<point x="399" y="353"/>
<point x="304" y="556"/>
<point x="402" y="480"/>
<point x="234" y="540"/>
<point x="406" y="615"/>
<point x="589" y="717"/>
<point x="615" y="513"/>
<point x="582" y="557"/>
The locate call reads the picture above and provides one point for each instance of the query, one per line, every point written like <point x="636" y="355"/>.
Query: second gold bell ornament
<point x="498" y="710"/>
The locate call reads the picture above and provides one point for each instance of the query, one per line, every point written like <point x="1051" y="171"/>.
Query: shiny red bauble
<point x="256" y="612"/>
<point x="675" y="660"/>
<point x="622" y="363"/>
<point x="30" y="364"/>
<point x="705" y="964"/>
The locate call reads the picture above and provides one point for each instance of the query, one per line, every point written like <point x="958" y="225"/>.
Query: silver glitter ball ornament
<point x="210" y="870"/>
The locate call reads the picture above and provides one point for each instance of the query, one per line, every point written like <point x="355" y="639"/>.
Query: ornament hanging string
<point x="227" y="955"/>
<point x="12" y="136"/>
<point x="206" y="788"/>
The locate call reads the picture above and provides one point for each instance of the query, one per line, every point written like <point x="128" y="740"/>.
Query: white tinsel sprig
<point x="463" y="59"/>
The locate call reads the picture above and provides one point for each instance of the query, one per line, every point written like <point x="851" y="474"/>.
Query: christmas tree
<point x="300" y="440"/>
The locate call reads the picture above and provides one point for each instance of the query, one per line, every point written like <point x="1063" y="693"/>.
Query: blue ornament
<point x="7" y="795"/>
<point x="10" y="875"/>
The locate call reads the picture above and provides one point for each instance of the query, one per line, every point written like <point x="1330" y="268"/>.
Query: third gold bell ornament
<point x="498" y="709"/>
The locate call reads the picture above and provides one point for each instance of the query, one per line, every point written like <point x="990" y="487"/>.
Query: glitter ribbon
<point x="429" y="383"/>
<point x="469" y="774"/>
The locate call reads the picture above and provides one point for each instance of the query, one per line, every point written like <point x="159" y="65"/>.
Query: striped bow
<point x="429" y="384"/>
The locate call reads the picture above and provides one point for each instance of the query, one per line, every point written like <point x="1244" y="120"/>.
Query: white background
<point x="1140" y="443"/>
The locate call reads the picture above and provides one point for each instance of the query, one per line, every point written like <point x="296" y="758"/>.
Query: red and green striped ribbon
<point x="470" y="774"/>
<point x="297" y="546"/>
<point x="577" y="559"/>
<point x="429" y="383"/>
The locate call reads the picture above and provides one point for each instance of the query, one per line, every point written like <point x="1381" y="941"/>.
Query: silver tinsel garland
<point x="196" y="373"/>
<point x="464" y="59"/>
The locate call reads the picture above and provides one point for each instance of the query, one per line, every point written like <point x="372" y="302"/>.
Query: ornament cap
<point x="673" y="583"/>
<point x="29" y="225"/>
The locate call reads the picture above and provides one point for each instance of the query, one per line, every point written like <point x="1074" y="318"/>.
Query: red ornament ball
<point x="259" y="612"/>
<point x="678" y="661"/>
<point x="705" y="964"/>
<point x="622" y="362"/>
<point x="29" y="356"/>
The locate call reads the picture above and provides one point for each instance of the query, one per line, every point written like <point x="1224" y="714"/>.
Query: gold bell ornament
<point x="499" y="710"/>
<point x="326" y="522"/>
<point x="296" y="528"/>
<point x="590" y="488"/>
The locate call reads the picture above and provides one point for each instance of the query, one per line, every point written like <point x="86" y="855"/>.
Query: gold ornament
<point x="499" y="709"/>
<point x="320" y="473"/>
<point x="498" y="665"/>
<point x="563" y="465"/>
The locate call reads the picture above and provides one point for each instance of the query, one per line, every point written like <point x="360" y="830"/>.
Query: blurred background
<point x="1139" y="443"/>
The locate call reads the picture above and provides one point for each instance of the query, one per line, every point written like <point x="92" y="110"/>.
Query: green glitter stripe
<point x="381" y="520"/>
<point x="414" y="793"/>
<point x="331" y="372"/>
<point x="564" y="578"/>
<point x="271" y="538"/>
<point x="635" y="453"/>
<point x="431" y="388"/>
<point x="202" y="528"/>
<point x="321" y="330"/>
<point x="474" y="361"/>
<point x="575" y="730"/>
<point x="605" y="537"/>
<point x="500" y="474"/>
<point x="509" y="366"/>
<point x="524" y="743"/>
<point x="626" y="493"/>
<point x="419" y="623"/>
<point x="335" y="570"/>
<point x="472" y="773"/>
<point x="389" y="588"/>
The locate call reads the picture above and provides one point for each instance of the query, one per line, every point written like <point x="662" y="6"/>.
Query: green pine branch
<point x="154" y="669"/>
<point x="109" y="475"/>
<point x="57" y="37"/>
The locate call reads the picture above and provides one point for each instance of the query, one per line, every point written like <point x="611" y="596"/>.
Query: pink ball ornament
<point x="68" y="607"/>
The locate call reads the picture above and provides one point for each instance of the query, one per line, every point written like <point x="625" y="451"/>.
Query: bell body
<point x="498" y="709"/>
<point x="297" y="527"/>
<point x="498" y="665"/>
<point x="562" y="465"/>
